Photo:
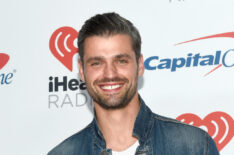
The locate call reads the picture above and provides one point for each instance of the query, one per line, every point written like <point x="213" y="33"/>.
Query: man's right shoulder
<point x="75" y="143"/>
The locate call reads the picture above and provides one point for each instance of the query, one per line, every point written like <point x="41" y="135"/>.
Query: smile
<point x="111" y="87"/>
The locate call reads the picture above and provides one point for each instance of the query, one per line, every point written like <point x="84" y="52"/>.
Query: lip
<point x="111" y="87"/>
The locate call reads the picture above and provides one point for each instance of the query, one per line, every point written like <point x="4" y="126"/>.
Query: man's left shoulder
<point x="176" y="127"/>
<point x="181" y="134"/>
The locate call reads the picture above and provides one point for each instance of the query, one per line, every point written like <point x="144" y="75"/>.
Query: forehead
<point x="108" y="46"/>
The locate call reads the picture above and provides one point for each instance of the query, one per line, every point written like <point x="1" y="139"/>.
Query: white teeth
<point x="111" y="87"/>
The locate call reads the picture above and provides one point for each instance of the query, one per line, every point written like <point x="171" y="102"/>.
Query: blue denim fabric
<point x="157" y="135"/>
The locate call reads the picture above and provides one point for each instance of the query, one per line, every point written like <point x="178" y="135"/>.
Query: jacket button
<point x="104" y="152"/>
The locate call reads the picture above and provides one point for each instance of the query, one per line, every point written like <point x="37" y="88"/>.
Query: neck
<point x="117" y="125"/>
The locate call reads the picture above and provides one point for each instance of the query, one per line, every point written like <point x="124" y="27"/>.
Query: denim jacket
<point x="157" y="135"/>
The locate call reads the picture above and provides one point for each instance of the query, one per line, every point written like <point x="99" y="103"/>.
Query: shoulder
<point x="179" y="135"/>
<point x="74" y="143"/>
<point x="174" y="126"/>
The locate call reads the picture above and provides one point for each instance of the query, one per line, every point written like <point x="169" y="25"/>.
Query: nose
<point x="110" y="70"/>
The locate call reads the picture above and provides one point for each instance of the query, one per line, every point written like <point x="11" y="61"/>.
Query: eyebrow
<point x="97" y="58"/>
<point x="119" y="56"/>
<point x="100" y="58"/>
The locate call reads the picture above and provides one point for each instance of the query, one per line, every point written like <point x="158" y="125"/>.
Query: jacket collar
<point x="143" y="123"/>
<point x="142" y="126"/>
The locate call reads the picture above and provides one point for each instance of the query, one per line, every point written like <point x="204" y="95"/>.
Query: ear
<point x="81" y="70"/>
<point x="141" y="66"/>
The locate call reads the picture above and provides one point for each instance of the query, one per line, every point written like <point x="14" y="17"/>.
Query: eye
<point x="122" y="61"/>
<point x="95" y="63"/>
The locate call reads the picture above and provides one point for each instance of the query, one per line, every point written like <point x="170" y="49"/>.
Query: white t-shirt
<point x="129" y="151"/>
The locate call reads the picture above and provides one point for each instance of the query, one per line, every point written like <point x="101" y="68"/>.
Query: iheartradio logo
<point x="4" y="58"/>
<point x="62" y="45"/>
<point x="219" y="125"/>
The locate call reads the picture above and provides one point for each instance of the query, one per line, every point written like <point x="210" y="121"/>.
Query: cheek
<point x="130" y="73"/>
<point x="129" y="69"/>
<point x="91" y="75"/>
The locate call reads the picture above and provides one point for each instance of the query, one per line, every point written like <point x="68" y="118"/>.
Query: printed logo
<point x="219" y="125"/>
<point x="4" y="58"/>
<point x="218" y="59"/>
<point x="62" y="45"/>
<point x="64" y="84"/>
<point x="221" y="35"/>
<point x="5" y="78"/>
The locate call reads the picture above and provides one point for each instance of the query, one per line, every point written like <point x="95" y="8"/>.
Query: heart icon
<point x="4" y="58"/>
<point x="62" y="45"/>
<point x="220" y="126"/>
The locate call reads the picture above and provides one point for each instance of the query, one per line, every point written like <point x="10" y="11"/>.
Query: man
<point x="110" y="64"/>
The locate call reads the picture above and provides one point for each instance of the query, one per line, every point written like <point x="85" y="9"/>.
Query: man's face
<point x="110" y="70"/>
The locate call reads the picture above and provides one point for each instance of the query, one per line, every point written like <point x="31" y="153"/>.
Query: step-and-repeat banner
<point x="188" y="49"/>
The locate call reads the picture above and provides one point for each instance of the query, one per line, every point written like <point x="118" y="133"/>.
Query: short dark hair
<point x="109" y="24"/>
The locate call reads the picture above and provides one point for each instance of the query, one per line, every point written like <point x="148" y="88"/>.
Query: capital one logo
<point x="220" y="58"/>
<point x="221" y="35"/>
<point x="5" y="78"/>
<point x="4" y="58"/>
<point x="219" y="125"/>
<point x="62" y="45"/>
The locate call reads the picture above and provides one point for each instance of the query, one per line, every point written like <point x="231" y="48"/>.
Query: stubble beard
<point x="113" y="101"/>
